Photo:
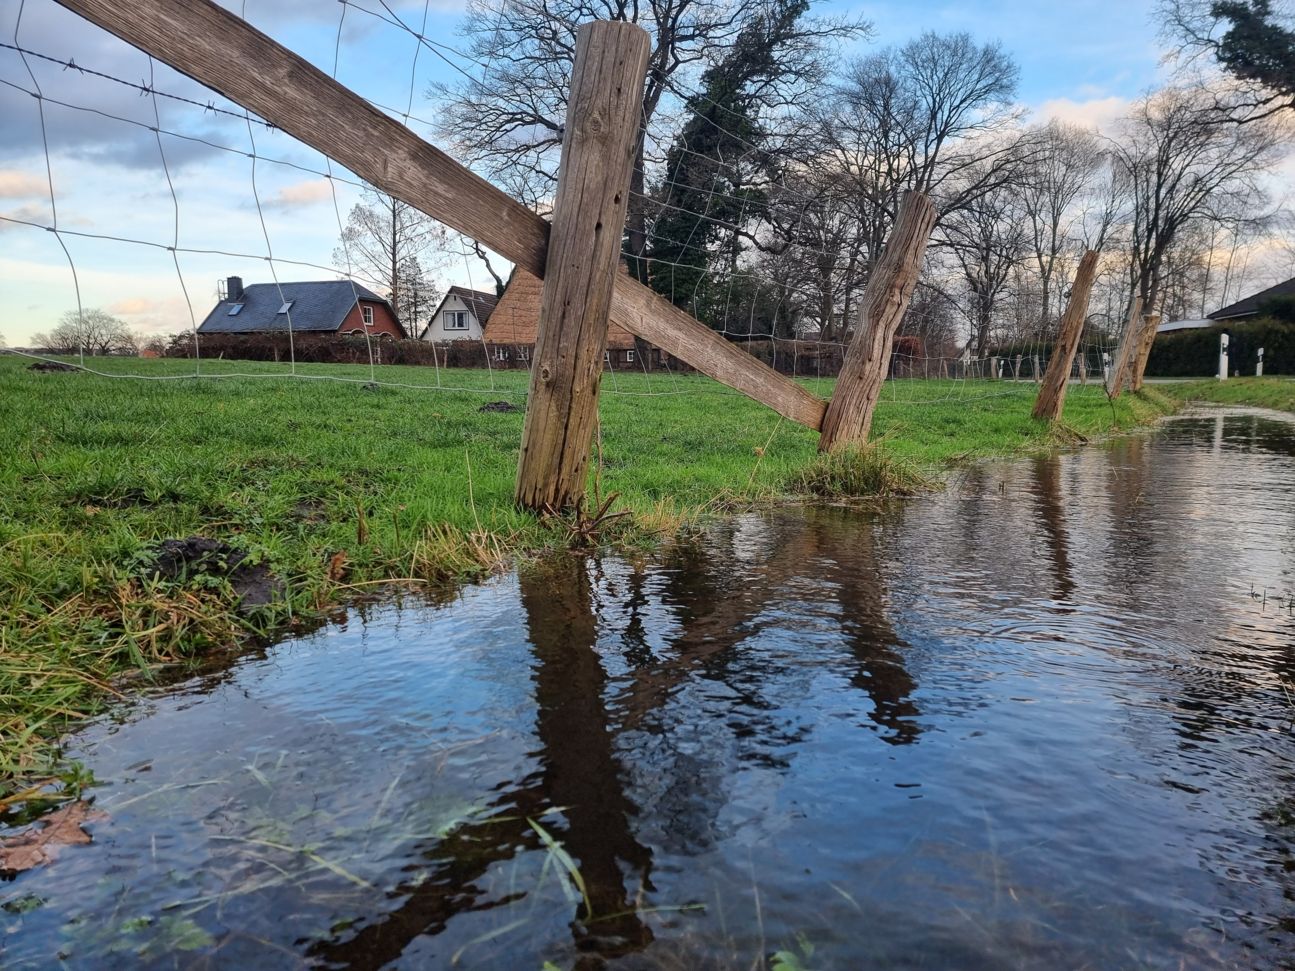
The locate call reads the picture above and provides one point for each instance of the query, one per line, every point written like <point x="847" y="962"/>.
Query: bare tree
<point x="1063" y="168"/>
<point x="932" y="115"/>
<point x="509" y="123"/>
<point x="388" y="240"/>
<point x="90" y="331"/>
<point x="1179" y="167"/>
<point x="989" y="238"/>
<point x="1253" y="41"/>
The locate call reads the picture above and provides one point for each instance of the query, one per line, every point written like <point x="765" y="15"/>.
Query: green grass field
<point x="338" y="487"/>
<point x="1275" y="393"/>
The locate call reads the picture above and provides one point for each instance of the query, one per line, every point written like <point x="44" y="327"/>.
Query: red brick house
<point x="328" y="307"/>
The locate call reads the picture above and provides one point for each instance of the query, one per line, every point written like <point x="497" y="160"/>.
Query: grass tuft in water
<point x="856" y="473"/>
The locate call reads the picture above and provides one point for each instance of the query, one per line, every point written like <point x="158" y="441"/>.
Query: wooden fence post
<point x="603" y="112"/>
<point x="1129" y="339"/>
<point x="1149" y="324"/>
<point x="849" y="414"/>
<point x="1052" y="395"/>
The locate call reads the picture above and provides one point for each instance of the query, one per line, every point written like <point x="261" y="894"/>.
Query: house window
<point x="501" y="354"/>
<point x="287" y="305"/>
<point x="235" y="310"/>
<point x="607" y="357"/>
<point x="629" y="357"/>
<point x="367" y="311"/>
<point x="523" y="353"/>
<point x="456" y="320"/>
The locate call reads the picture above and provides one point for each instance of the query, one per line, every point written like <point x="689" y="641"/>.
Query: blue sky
<point x="1082" y="62"/>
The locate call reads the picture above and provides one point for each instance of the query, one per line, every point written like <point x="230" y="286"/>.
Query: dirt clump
<point x="195" y="557"/>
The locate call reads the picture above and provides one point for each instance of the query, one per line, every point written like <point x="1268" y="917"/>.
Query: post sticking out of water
<point x="1223" y="357"/>
<point x="1259" y="364"/>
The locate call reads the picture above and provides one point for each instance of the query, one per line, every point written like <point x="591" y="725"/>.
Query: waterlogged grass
<point x="1275" y="393"/>
<point x="339" y="487"/>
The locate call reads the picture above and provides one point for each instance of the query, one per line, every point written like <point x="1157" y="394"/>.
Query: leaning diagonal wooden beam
<point x="659" y="322"/>
<point x="1051" y="399"/>
<point x="890" y="287"/>
<point x="1128" y="340"/>
<point x="223" y="52"/>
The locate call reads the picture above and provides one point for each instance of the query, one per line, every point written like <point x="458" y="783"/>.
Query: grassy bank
<point x="1276" y="393"/>
<point x="336" y="487"/>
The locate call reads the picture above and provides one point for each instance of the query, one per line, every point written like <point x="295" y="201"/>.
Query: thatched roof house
<point x="515" y="321"/>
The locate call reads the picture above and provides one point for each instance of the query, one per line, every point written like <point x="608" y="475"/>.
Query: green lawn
<point x="337" y="486"/>
<point x="1277" y="393"/>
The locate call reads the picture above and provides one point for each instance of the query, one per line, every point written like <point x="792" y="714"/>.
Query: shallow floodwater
<point x="1040" y="720"/>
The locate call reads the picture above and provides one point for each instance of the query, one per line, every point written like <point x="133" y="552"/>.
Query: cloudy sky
<point x="1081" y="62"/>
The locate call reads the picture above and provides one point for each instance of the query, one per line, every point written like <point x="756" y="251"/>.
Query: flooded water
<point x="1043" y="719"/>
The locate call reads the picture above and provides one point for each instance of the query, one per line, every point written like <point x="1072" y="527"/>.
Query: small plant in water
<point x="853" y="473"/>
<point x="787" y="960"/>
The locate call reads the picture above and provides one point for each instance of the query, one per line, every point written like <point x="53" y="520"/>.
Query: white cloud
<point x="299" y="194"/>
<point x="16" y="184"/>
<point x="1099" y="113"/>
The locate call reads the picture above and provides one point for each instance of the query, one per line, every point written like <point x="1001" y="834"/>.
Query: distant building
<point x="324" y="307"/>
<point x="515" y="323"/>
<point x="461" y="316"/>
<point x="1169" y="326"/>
<point x="1249" y="307"/>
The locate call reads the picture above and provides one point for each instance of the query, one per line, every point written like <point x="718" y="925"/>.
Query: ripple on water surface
<point x="1040" y="720"/>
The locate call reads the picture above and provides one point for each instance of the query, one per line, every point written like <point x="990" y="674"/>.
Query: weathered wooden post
<point x="1037" y="369"/>
<point x="603" y="112"/>
<point x="1016" y="368"/>
<point x="1131" y="338"/>
<point x="993" y="368"/>
<point x="849" y="414"/>
<point x="1149" y="324"/>
<point x="1052" y="395"/>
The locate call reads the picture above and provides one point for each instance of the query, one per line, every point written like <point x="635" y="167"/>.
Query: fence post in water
<point x="1223" y="357"/>
<point x="849" y="413"/>
<point x="1259" y="364"/>
<point x="1052" y="396"/>
<point x="1150" y="322"/>
<point x="603" y="110"/>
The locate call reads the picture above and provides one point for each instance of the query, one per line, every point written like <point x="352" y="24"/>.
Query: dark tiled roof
<point x="1250" y="305"/>
<point x="481" y="304"/>
<point x="319" y="306"/>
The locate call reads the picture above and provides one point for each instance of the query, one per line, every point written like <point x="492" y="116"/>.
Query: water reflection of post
<point x="718" y="601"/>
<point x="581" y="771"/>
<point x="846" y="540"/>
<point x="1047" y="497"/>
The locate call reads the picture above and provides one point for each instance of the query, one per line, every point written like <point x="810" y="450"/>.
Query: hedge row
<point x="1195" y="353"/>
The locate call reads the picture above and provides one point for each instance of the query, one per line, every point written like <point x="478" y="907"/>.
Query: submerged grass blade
<point x="564" y="860"/>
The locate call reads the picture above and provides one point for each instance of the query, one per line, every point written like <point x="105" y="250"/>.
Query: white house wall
<point x="437" y="331"/>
